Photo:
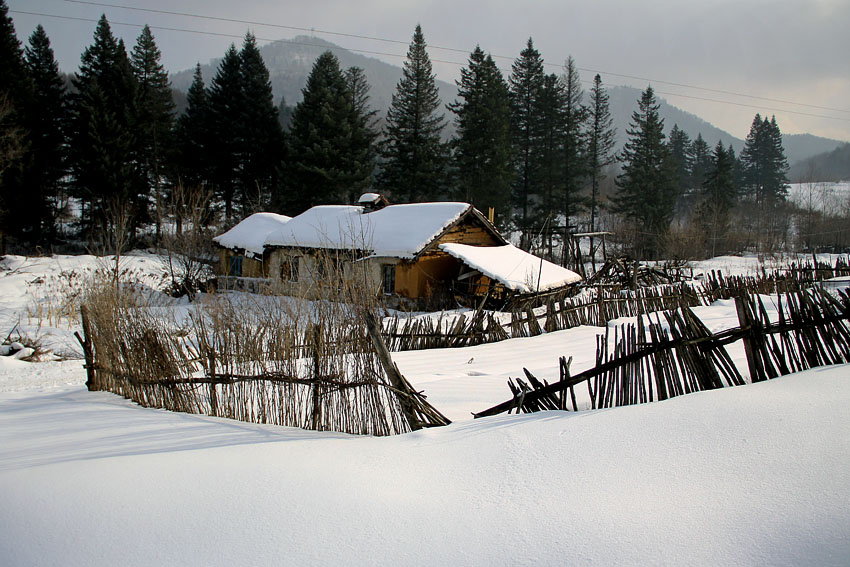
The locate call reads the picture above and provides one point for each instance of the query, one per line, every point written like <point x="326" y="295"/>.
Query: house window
<point x="289" y="269"/>
<point x="235" y="266"/>
<point x="388" y="278"/>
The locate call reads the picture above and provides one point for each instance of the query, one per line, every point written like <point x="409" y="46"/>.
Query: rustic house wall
<point x="251" y="268"/>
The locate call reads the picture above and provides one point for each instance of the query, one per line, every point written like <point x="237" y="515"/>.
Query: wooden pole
<point x="88" y="352"/>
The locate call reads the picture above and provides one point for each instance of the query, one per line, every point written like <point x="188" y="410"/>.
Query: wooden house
<point x="416" y="254"/>
<point x="242" y="260"/>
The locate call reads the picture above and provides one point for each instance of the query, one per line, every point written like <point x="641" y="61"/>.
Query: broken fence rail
<point x="811" y="331"/>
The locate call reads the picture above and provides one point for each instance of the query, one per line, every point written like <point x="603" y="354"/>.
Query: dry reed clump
<point x="258" y="358"/>
<point x="56" y="298"/>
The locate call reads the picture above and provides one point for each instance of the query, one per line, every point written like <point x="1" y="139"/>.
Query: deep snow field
<point x="753" y="475"/>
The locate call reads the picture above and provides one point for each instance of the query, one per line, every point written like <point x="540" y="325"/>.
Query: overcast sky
<point x="792" y="57"/>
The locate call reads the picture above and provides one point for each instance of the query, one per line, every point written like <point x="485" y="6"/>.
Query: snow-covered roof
<point x="396" y="231"/>
<point x="512" y="267"/>
<point x="250" y="234"/>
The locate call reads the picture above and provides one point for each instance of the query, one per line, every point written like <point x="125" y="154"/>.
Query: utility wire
<point x="222" y="34"/>
<point x="396" y="55"/>
<point x="450" y="49"/>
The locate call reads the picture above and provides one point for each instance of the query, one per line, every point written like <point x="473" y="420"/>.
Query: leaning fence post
<point x="88" y="353"/>
<point x="406" y="394"/>
<point x="756" y="374"/>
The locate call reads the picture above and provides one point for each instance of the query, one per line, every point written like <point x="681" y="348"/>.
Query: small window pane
<point x="388" y="277"/>
<point x="289" y="269"/>
<point x="235" y="266"/>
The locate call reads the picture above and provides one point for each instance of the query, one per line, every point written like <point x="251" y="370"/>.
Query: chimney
<point x="372" y="202"/>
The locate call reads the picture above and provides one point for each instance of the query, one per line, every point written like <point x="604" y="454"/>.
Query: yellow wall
<point x="250" y="268"/>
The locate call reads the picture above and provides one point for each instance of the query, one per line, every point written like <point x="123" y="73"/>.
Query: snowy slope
<point x="753" y="475"/>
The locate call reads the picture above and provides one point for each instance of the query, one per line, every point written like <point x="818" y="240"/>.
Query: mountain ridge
<point x="289" y="62"/>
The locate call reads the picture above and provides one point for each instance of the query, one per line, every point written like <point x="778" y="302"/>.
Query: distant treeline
<point x="110" y="161"/>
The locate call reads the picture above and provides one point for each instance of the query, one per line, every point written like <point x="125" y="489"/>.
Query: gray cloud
<point x="779" y="49"/>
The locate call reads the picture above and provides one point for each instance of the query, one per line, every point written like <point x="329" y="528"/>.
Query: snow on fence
<point x="331" y="374"/>
<point x="810" y="329"/>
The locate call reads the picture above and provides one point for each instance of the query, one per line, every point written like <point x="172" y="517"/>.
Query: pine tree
<point x="103" y="155"/>
<point x="551" y="109"/>
<point x="600" y="144"/>
<point x="154" y="122"/>
<point x="576" y="116"/>
<point x="284" y="112"/>
<point x="363" y="135"/>
<point x="701" y="162"/>
<point x="777" y="180"/>
<point x="764" y="164"/>
<point x="646" y="192"/>
<point x="681" y="157"/>
<point x="482" y="146"/>
<point x="224" y="119"/>
<point x="718" y="197"/>
<point x="319" y="139"/>
<point x="47" y="133"/>
<point x="15" y="110"/>
<point x="260" y="134"/>
<point x="192" y="159"/>
<point x="526" y="84"/>
<point x="414" y="158"/>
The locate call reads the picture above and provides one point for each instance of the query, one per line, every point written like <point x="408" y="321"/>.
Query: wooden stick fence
<point x="599" y="305"/>
<point x="811" y="330"/>
<point x="244" y="366"/>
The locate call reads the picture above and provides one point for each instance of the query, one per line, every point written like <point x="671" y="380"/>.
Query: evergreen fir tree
<point x="600" y="145"/>
<point x="12" y="66"/>
<point x="260" y="134"/>
<point x="526" y="84"/>
<point x="646" y="192"/>
<point x="551" y="109"/>
<point x="718" y="197"/>
<point x="192" y="160"/>
<point x="154" y="121"/>
<point x="482" y="146"/>
<point x="225" y="102"/>
<point x="681" y="157"/>
<point x="103" y="145"/>
<point x="47" y="134"/>
<point x="777" y="181"/>
<point x="764" y="164"/>
<point x="737" y="170"/>
<point x="284" y="112"/>
<point x="414" y="158"/>
<point x="320" y="136"/>
<point x="701" y="162"/>
<point x="576" y="116"/>
<point x="362" y="145"/>
<point x="15" y="106"/>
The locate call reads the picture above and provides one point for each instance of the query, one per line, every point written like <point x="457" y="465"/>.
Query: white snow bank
<point x="514" y="268"/>
<point x="754" y="475"/>
<point x="397" y="231"/>
<point x="250" y="234"/>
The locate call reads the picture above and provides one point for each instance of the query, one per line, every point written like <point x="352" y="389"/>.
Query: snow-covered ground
<point x="743" y="476"/>
<point x="821" y="196"/>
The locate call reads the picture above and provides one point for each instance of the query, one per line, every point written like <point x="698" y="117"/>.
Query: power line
<point x="222" y="34"/>
<point x="396" y="55"/>
<point x="450" y="49"/>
